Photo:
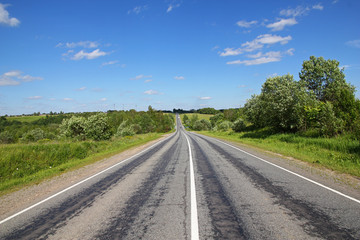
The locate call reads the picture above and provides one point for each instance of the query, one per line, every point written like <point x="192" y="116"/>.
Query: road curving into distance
<point x="189" y="186"/>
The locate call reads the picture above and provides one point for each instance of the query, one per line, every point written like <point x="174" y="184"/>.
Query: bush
<point x="125" y="129"/>
<point x="6" y="137"/>
<point x="202" y="125"/>
<point x="34" y="135"/>
<point x="239" y="125"/>
<point x="73" y="127"/>
<point x="330" y="125"/>
<point x="224" y="126"/>
<point x="97" y="127"/>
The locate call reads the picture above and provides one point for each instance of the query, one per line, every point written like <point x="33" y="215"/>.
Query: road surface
<point x="190" y="186"/>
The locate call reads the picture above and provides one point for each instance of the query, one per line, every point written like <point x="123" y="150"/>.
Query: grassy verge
<point x="24" y="164"/>
<point x="341" y="154"/>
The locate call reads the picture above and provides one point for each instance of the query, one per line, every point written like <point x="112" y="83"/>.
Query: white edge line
<point x="85" y="180"/>
<point x="296" y="174"/>
<point x="194" y="215"/>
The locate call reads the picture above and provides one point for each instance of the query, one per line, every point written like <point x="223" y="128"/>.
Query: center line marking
<point x="194" y="215"/>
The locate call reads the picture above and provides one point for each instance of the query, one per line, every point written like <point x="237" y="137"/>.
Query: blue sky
<point x="88" y="55"/>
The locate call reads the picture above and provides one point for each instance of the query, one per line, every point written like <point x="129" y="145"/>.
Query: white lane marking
<point x="194" y="215"/>
<point x="296" y="174"/>
<point x="87" y="179"/>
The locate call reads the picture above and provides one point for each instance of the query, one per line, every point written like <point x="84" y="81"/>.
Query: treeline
<point x="320" y="103"/>
<point x="85" y="126"/>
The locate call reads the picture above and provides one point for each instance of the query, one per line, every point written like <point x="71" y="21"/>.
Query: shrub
<point x="73" y="127"/>
<point x="125" y="129"/>
<point x="34" y="135"/>
<point x="202" y="125"/>
<point x="97" y="127"/>
<point x="239" y="125"/>
<point x="224" y="126"/>
<point x="6" y="137"/>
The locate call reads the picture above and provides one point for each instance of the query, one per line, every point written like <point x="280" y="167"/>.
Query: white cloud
<point x="103" y="99"/>
<point x="84" y="44"/>
<point x="246" y="24"/>
<point x="260" y="58"/>
<point x="13" y="78"/>
<point x="295" y="12"/>
<point x="257" y="43"/>
<point x="35" y="97"/>
<point x="91" y="55"/>
<point x="68" y="99"/>
<point x="109" y="63"/>
<point x="138" y="9"/>
<point x="151" y="92"/>
<point x="354" y="43"/>
<point x="281" y="24"/>
<point x="318" y="7"/>
<point x="5" y="18"/>
<point x="205" y="98"/>
<point x="172" y="6"/>
<point x="141" y="76"/>
<point x="148" y="80"/>
<point x="81" y="89"/>
<point x="179" y="78"/>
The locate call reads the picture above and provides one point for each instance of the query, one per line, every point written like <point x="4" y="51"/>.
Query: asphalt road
<point x="187" y="187"/>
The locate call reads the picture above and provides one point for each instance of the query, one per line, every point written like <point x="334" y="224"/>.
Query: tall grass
<point x="21" y="164"/>
<point x="341" y="154"/>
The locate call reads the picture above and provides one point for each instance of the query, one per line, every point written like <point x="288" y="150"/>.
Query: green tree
<point x="327" y="81"/>
<point x="280" y="104"/>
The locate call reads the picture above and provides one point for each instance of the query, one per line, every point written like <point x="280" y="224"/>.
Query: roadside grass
<point x="27" y="119"/>
<point x="341" y="154"/>
<point x="26" y="164"/>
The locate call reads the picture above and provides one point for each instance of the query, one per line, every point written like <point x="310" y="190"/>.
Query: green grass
<point x="24" y="164"/>
<point x="201" y="116"/>
<point x="25" y="118"/>
<point x="341" y="154"/>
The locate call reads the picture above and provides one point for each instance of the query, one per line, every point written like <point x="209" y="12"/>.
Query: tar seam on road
<point x="296" y="174"/>
<point x="194" y="215"/>
<point x="85" y="180"/>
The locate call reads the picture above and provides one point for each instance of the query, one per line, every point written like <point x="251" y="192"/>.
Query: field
<point x="201" y="116"/>
<point x="341" y="154"/>
<point x="25" y="118"/>
<point x="23" y="164"/>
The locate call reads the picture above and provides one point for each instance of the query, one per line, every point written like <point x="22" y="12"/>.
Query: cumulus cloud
<point x="246" y="24"/>
<point x="179" y="78"/>
<point x="141" y="76"/>
<point x="258" y="43"/>
<point x="15" y="77"/>
<point x="262" y="58"/>
<point x="81" y="89"/>
<point x="84" y="44"/>
<point x="318" y="7"/>
<point x="172" y="6"/>
<point x="109" y="63"/>
<point x="205" y="98"/>
<point x="354" y="43"/>
<point x="151" y="92"/>
<point x="35" y="97"/>
<point x="295" y="12"/>
<point x="88" y="55"/>
<point x="281" y="24"/>
<point x="5" y="19"/>
<point x="138" y="9"/>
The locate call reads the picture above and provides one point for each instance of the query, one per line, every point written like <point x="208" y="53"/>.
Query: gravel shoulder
<point x="16" y="201"/>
